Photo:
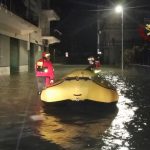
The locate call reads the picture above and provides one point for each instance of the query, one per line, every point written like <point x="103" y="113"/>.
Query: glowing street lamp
<point x="119" y="9"/>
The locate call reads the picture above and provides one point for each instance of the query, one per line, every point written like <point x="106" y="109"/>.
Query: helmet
<point x="45" y="54"/>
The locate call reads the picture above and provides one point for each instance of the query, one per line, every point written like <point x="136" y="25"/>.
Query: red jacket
<point x="44" y="68"/>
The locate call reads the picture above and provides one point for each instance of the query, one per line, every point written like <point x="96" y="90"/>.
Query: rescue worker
<point x="91" y="61"/>
<point x="97" y="62"/>
<point x="44" y="72"/>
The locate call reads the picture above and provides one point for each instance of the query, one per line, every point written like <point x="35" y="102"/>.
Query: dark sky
<point x="78" y="21"/>
<point x="77" y="24"/>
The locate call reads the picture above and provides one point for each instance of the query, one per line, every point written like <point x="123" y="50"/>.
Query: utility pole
<point x="98" y="30"/>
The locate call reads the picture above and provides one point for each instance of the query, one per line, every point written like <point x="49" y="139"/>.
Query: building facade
<point x="23" y="35"/>
<point x="110" y="34"/>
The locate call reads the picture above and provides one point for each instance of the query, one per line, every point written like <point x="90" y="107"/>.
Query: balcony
<point x="46" y="17"/>
<point x="14" y="26"/>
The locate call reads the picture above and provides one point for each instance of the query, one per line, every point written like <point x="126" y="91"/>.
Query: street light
<point x="119" y="9"/>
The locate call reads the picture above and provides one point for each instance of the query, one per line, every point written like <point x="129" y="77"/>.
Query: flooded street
<point x="27" y="123"/>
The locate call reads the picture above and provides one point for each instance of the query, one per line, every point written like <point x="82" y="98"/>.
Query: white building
<point x="21" y="42"/>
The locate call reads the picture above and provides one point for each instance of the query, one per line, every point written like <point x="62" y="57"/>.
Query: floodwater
<point x="27" y="123"/>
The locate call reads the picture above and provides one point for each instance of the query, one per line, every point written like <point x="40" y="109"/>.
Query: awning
<point x="50" y="15"/>
<point x="51" y="39"/>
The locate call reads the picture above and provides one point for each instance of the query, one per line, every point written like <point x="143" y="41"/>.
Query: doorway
<point x="31" y="58"/>
<point x="14" y="55"/>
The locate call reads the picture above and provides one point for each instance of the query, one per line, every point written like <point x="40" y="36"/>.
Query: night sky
<point x="77" y="24"/>
<point x="78" y="20"/>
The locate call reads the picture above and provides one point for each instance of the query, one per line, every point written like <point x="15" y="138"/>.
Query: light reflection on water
<point x="110" y="131"/>
<point x="78" y="127"/>
<point x="75" y="125"/>
<point x="117" y="136"/>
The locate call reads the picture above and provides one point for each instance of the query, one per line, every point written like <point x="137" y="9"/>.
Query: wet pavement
<point x="27" y="124"/>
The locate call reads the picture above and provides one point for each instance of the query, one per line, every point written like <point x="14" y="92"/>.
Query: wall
<point x="23" y="56"/>
<point x="4" y="54"/>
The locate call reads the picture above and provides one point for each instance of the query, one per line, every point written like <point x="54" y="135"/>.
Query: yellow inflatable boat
<point x="80" y="85"/>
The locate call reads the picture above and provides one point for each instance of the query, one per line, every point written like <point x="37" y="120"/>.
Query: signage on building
<point x="66" y="54"/>
<point x="147" y="27"/>
<point x="144" y="30"/>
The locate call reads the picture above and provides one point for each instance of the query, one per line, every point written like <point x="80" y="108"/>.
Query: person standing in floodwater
<point x="44" y="72"/>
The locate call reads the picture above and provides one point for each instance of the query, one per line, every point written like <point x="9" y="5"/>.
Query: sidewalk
<point x="140" y="68"/>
